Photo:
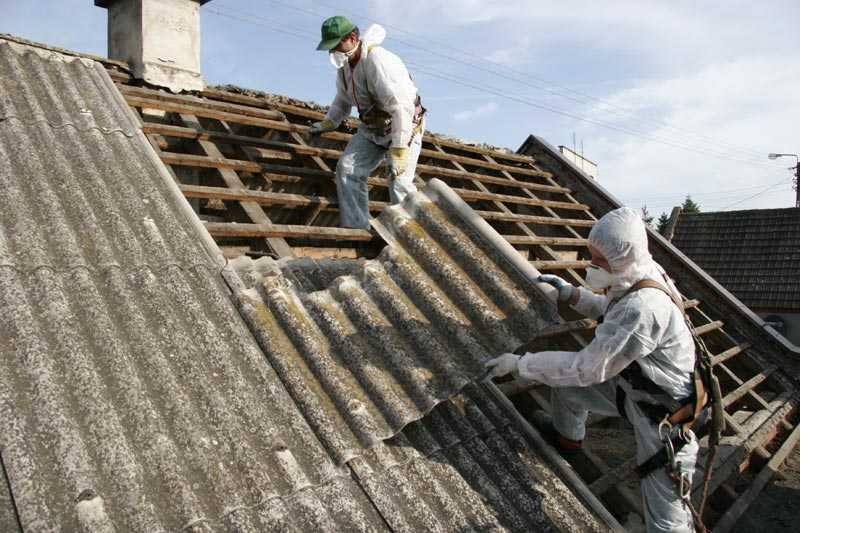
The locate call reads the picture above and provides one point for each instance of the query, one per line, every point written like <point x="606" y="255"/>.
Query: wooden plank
<point x="553" y="241"/>
<point x="533" y="219"/>
<point x="735" y="395"/>
<point x="254" y="211"/>
<point x="726" y="355"/>
<point x="729" y="519"/>
<point x="555" y="266"/>
<point x="260" y="197"/>
<point x="236" y="229"/>
<point x="707" y="328"/>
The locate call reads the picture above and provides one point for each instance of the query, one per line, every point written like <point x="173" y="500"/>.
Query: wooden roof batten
<point x="233" y="138"/>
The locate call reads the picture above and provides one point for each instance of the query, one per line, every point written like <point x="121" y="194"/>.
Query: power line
<point x="621" y="109"/>
<point x="454" y="79"/>
<point x="754" y="195"/>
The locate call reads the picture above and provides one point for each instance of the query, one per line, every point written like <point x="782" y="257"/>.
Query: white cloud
<point x="486" y="109"/>
<point x="731" y="111"/>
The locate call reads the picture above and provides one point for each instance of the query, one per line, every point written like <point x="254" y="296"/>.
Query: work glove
<point x="398" y="160"/>
<point x="502" y="365"/>
<point x="318" y="128"/>
<point x="564" y="288"/>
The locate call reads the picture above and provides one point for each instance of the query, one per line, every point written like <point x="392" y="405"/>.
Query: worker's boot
<point x="543" y="423"/>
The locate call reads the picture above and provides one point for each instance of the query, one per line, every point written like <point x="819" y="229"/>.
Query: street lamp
<point x="795" y="168"/>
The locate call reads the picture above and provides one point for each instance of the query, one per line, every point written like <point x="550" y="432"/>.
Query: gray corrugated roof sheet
<point x="467" y="467"/>
<point x="132" y="398"/>
<point x="383" y="345"/>
<point x="754" y="253"/>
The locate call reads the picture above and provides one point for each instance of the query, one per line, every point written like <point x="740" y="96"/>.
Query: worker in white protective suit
<point x="376" y="82"/>
<point x="639" y="364"/>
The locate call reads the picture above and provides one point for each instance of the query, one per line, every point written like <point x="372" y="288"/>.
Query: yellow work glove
<point x="398" y="159"/>
<point x="318" y="128"/>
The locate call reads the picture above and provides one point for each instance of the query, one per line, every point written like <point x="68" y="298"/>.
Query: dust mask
<point x="597" y="278"/>
<point x="339" y="59"/>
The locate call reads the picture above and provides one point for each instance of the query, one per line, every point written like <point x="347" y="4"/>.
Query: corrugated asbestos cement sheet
<point x="380" y="347"/>
<point x="466" y="467"/>
<point x="132" y="398"/>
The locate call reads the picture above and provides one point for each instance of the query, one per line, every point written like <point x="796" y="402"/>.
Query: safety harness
<point x="377" y="119"/>
<point x="676" y="420"/>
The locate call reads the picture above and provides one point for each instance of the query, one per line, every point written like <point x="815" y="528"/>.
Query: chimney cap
<point x="107" y="3"/>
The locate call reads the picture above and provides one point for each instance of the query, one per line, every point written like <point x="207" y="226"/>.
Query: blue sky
<point x="668" y="98"/>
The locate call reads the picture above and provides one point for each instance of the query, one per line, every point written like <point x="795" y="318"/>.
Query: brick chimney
<point x="158" y="38"/>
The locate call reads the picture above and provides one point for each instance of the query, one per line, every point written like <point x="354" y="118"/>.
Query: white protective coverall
<point x="380" y="81"/>
<point x="644" y="328"/>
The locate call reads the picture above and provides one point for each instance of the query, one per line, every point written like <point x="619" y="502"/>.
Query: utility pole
<point x="796" y="169"/>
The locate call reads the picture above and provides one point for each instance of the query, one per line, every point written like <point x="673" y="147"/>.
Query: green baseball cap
<point x="333" y="31"/>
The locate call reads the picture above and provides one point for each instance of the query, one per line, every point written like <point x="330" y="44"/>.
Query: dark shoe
<point x="568" y="447"/>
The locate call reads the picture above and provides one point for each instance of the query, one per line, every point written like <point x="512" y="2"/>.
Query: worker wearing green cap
<point x="377" y="83"/>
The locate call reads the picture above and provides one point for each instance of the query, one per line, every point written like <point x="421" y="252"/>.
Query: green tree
<point x="662" y="223"/>
<point x="647" y="217"/>
<point x="689" y="206"/>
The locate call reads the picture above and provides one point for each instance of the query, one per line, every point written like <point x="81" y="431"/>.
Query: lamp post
<point x="796" y="169"/>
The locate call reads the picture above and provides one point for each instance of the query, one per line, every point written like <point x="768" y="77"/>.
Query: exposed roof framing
<point x="242" y="159"/>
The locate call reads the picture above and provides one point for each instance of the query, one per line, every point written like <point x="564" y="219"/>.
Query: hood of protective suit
<point x="621" y="238"/>
<point x="374" y="34"/>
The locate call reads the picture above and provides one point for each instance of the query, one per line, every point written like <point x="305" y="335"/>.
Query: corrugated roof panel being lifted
<point x="380" y="347"/>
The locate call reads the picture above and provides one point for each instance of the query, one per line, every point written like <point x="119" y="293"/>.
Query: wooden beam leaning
<point x="254" y="211"/>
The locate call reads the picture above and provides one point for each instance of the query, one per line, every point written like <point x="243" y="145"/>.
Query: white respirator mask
<point x="339" y="59"/>
<point x="597" y="278"/>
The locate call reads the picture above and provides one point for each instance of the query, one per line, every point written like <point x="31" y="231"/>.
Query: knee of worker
<point x="664" y="510"/>
<point x="346" y="168"/>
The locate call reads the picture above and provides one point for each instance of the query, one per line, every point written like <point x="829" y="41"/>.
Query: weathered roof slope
<point x="381" y="346"/>
<point x="754" y="253"/>
<point x="132" y="398"/>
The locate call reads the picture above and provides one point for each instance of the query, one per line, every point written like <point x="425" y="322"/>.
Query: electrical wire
<point x="456" y="80"/>
<point x="621" y="110"/>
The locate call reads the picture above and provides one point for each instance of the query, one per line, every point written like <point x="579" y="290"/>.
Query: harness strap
<point x="659" y="459"/>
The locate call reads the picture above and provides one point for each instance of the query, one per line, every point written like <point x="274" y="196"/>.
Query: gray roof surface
<point x="754" y="253"/>
<point x="134" y="398"/>
<point x="131" y="395"/>
<point x="381" y="346"/>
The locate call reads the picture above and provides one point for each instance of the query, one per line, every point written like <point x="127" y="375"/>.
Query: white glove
<point x="318" y="128"/>
<point x="503" y="365"/>
<point x="564" y="288"/>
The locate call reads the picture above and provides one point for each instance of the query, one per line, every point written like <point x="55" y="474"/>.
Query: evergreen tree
<point x="689" y="206"/>
<point x="662" y="223"/>
<point x="647" y="217"/>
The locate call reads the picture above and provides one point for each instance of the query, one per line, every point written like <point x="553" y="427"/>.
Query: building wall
<point x="588" y="167"/>
<point x="790" y="322"/>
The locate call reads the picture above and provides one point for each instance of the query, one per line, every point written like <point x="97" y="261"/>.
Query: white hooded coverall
<point x="380" y="81"/>
<point x="644" y="328"/>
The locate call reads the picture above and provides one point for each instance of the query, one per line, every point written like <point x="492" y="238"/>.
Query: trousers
<point x="359" y="160"/>
<point x="664" y="510"/>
